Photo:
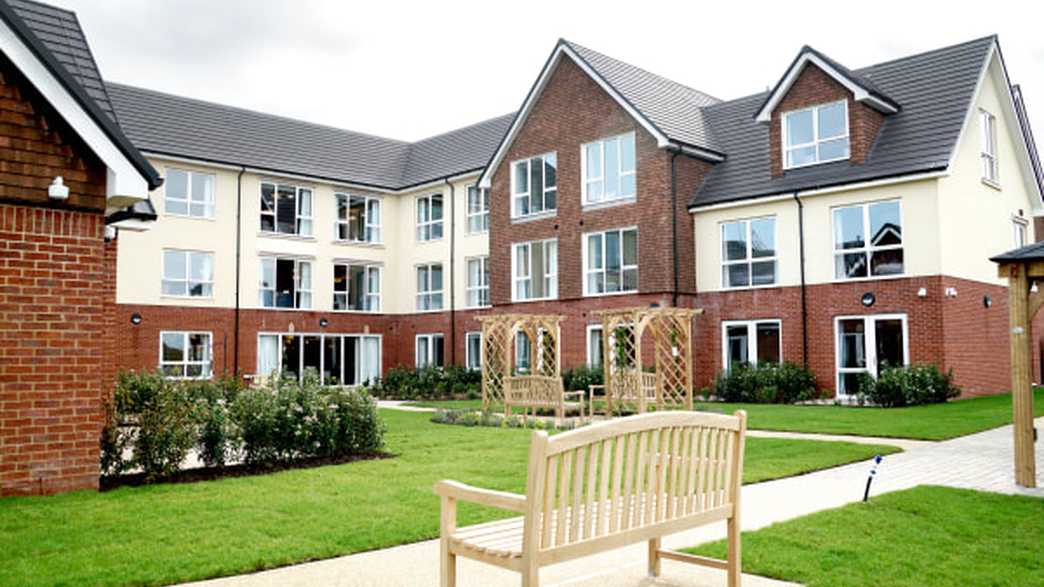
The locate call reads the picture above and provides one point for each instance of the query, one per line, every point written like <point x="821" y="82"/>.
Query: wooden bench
<point x="630" y="387"/>
<point x="605" y="486"/>
<point x="539" y="392"/>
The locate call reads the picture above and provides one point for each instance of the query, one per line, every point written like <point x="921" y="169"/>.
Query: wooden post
<point x="1021" y="389"/>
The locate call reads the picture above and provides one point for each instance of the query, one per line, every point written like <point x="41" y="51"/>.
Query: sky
<point x="412" y="70"/>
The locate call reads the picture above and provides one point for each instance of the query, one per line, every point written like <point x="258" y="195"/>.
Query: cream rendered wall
<point x="918" y="212"/>
<point x="468" y="245"/>
<point x="977" y="218"/>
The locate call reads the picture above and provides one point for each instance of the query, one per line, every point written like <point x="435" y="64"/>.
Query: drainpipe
<point x="239" y="238"/>
<point x="452" y="272"/>
<point x="674" y="224"/>
<point x="804" y="306"/>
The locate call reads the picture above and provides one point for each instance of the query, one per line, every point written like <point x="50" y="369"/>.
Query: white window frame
<point x="482" y="215"/>
<point x="480" y="288"/>
<point x="430" y="359"/>
<point x="187" y="280"/>
<point x="468" y="336"/>
<point x="621" y="173"/>
<point x="550" y="276"/>
<point x="585" y="251"/>
<point x="867" y="249"/>
<point x="988" y="148"/>
<point x="428" y="225"/>
<point x="749" y="260"/>
<point x="300" y="219"/>
<point x="752" y="339"/>
<point x="371" y="299"/>
<point x="545" y="211"/>
<point x="371" y="229"/>
<point x="209" y="202"/>
<point x="816" y="140"/>
<point x="298" y="290"/>
<point x="208" y="365"/>
<point x="322" y="354"/>
<point x="870" y="346"/>
<point x="430" y="293"/>
<point x="1020" y="231"/>
<point x="590" y="351"/>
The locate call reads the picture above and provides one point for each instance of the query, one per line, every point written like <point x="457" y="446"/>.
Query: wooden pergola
<point x="1023" y="267"/>
<point x="499" y="333"/>
<point x="627" y="382"/>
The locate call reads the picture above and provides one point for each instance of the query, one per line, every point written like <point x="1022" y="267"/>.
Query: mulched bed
<point x="240" y="470"/>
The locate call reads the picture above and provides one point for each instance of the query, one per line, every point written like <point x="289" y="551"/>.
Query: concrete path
<point x="981" y="461"/>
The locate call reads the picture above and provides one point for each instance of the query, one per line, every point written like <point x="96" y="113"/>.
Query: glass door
<point x="868" y="344"/>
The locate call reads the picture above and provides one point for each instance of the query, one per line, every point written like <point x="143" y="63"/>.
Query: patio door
<point x="867" y="344"/>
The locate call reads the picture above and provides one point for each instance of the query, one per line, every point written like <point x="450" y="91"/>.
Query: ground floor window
<point x="751" y="342"/>
<point x="622" y="338"/>
<point x="867" y="344"/>
<point x="594" y="345"/>
<point x="186" y="355"/>
<point x="473" y="350"/>
<point x="430" y="350"/>
<point x="338" y="358"/>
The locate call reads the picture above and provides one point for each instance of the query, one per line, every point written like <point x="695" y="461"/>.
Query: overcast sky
<point x="408" y="71"/>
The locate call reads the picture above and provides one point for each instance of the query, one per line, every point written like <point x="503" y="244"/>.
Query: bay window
<point x="477" y="287"/>
<point x="534" y="184"/>
<point x="609" y="169"/>
<point x="188" y="193"/>
<point x="429" y="350"/>
<point x="429" y="287"/>
<point x="748" y="253"/>
<point x="357" y="288"/>
<point x="285" y="283"/>
<point x="868" y="240"/>
<point x="534" y="270"/>
<point x="815" y="135"/>
<point x="188" y="273"/>
<point x="611" y="261"/>
<point x="186" y="355"/>
<point x="751" y="342"/>
<point x="478" y="210"/>
<point x="286" y="209"/>
<point x="429" y="217"/>
<point x="358" y="219"/>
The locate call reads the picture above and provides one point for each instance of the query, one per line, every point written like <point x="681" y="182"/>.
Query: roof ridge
<point x="465" y="127"/>
<point x="108" y="83"/>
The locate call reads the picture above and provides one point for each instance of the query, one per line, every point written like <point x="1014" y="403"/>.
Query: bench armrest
<point x="498" y="499"/>
<point x="578" y="392"/>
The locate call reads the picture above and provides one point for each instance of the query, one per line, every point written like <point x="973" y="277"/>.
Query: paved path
<point x="980" y="461"/>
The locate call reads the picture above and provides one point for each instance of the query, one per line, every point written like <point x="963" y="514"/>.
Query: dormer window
<point x="815" y="135"/>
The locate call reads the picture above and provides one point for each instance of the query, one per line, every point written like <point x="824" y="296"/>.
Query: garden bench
<point x="540" y="392"/>
<point x="630" y="387"/>
<point x="605" y="486"/>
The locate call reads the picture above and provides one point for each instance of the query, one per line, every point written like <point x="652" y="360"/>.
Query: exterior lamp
<point x="135" y="318"/>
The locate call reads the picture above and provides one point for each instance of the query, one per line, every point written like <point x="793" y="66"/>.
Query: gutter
<point x="239" y="240"/>
<point x="452" y="272"/>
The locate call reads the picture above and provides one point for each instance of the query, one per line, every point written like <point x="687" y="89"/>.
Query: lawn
<point x="923" y="536"/>
<point x="932" y="422"/>
<point x="172" y="533"/>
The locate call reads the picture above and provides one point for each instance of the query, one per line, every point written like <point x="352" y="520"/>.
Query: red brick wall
<point x="813" y="86"/>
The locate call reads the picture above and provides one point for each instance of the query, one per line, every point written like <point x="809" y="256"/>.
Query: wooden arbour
<point x="499" y="333"/>
<point x="670" y="382"/>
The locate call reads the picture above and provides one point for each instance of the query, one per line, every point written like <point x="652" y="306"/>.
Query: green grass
<point x="932" y="422"/>
<point x="923" y="536"/>
<point x="172" y="533"/>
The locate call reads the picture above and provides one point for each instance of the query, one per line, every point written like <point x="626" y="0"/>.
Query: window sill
<point x="525" y="301"/>
<point x="347" y="243"/>
<point x="608" y="203"/>
<point x="476" y="233"/>
<point x="286" y="309"/>
<point x="289" y="237"/>
<point x="991" y="183"/>
<point x="534" y="217"/>
<point x="187" y="298"/>
<point x="814" y="163"/>
<point x="725" y="288"/>
<point x="610" y="294"/>
<point x="485" y="307"/>
<point x="429" y="241"/>
<point x="871" y="278"/>
<point x="188" y="216"/>
<point x="436" y="311"/>
<point x="369" y="312"/>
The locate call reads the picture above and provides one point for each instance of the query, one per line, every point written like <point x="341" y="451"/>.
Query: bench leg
<point x="654" y="557"/>
<point x="447" y="560"/>
<point x="531" y="577"/>
<point x="734" y="567"/>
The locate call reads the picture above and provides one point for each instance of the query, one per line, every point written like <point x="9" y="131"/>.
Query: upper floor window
<point x="1019" y="228"/>
<point x="185" y="355"/>
<point x="534" y="185"/>
<point x="188" y="273"/>
<point x="429" y="217"/>
<point x="286" y="209"/>
<point x="748" y="252"/>
<point x="534" y="270"/>
<point x="988" y="133"/>
<point x="478" y="209"/>
<point x="478" y="281"/>
<point x="609" y="169"/>
<point x="611" y="261"/>
<point x="358" y="219"/>
<point x="815" y="135"/>
<point x="189" y="193"/>
<point x="429" y="286"/>
<point x="285" y="283"/>
<point x="357" y="288"/>
<point x="868" y="240"/>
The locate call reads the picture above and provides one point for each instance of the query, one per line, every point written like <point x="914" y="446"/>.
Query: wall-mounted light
<point x="58" y="190"/>
<point x="923" y="292"/>
<point x="951" y="292"/>
<point x="323" y="322"/>
<point x="868" y="299"/>
<point x="987" y="301"/>
<point x="135" y="318"/>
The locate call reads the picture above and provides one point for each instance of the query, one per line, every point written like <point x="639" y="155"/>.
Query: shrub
<point x="218" y="440"/>
<point x="766" y="383"/>
<point x="909" y="386"/>
<point x="429" y="383"/>
<point x="580" y="378"/>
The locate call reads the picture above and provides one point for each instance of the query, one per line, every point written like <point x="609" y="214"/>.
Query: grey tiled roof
<point x="934" y="89"/>
<point x="675" y="109"/>
<point x="1033" y="252"/>
<point x="173" y="125"/>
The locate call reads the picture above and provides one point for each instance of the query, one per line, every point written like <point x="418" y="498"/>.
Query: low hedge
<point x="764" y="383"/>
<point x="908" y="386"/>
<point x="153" y="423"/>
<point x="429" y="383"/>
